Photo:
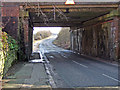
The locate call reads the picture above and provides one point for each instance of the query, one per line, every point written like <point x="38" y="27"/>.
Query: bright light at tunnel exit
<point x="54" y="30"/>
<point x="70" y="2"/>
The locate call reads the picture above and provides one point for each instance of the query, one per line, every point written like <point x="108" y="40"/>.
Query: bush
<point x="63" y="39"/>
<point x="8" y="54"/>
<point x="41" y="35"/>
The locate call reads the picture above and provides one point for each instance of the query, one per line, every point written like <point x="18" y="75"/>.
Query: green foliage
<point x="4" y="41"/>
<point x="8" y="54"/>
<point x="12" y="44"/>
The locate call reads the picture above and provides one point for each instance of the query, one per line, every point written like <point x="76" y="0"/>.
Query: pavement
<point x="30" y="75"/>
<point x="27" y="75"/>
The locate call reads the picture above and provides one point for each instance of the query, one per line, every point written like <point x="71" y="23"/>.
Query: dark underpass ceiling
<point x="55" y="15"/>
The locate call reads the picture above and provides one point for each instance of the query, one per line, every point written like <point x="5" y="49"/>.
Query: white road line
<point x="59" y="52"/>
<point x="80" y="64"/>
<point x="51" y="56"/>
<point x="63" y="56"/>
<point x="110" y="77"/>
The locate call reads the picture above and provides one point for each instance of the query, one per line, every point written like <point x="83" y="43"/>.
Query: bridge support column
<point x="30" y="38"/>
<point x="26" y="38"/>
<point x="118" y="28"/>
<point x="80" y="30"/>
<point x="74" y="39"/>
<point x="26" y="32"/>
<point x="71" y="40"/>
<point x="117" y="38"/>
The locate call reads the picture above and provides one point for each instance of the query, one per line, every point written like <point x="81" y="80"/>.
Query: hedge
<point x="8" y="52"/>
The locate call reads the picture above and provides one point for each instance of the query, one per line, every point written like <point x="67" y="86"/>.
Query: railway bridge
<point x="94" y="26"/>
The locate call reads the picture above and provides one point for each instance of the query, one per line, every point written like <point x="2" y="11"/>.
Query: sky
<point x="54" y="30"/>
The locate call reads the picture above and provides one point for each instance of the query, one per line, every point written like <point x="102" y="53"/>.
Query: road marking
<point x="51" y="80"/>
<point x="110" y="77"/>
<point x="64" y="56"/>
<point x="58" y="52"/>
<point x="51" y="56"/>
<point x="80" y="64"/>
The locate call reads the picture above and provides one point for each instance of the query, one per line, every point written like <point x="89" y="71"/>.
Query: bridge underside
<point x="94" y="26"/>
<point x="67" y="15"/>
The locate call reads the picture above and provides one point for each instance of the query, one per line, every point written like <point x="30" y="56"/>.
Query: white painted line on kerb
<point x="111" y="77"/>
<point x="80" y="64"/>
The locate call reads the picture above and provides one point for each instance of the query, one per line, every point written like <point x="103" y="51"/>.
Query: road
<point x="69" y="69"/>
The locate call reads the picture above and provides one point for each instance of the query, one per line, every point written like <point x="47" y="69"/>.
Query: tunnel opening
<point x="61" y="36"/>
<point x="41" y="33"/>
<point x="47" y="40"/>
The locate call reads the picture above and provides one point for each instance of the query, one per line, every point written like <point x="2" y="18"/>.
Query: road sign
<point x="70" y="2"/>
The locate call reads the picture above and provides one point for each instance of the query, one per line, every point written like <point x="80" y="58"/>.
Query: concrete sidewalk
<point x="30" y="75"/>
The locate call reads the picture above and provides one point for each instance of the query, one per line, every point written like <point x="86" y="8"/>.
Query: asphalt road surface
<point x="73" y="70"/>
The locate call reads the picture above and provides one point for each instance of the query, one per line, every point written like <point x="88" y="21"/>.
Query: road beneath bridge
<point x="69" y="69"/>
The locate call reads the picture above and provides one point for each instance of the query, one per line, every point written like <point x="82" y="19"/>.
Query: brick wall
<point x="10" y="25"/>
<point x="119" y="39"/>
<point x="100" y="39"/>
<point x="10" y="16"/>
